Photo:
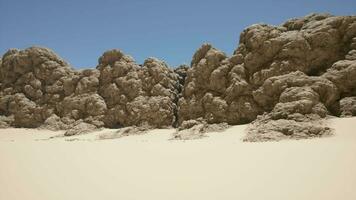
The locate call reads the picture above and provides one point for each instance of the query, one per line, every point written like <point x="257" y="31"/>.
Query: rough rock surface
<point x="348" y="107"/>
<point x="31" y="85"/>
<point x="80" y="128"/>
<point x="309" y="71"/>
<point x="217" y="89"/>
<point x="39" y="89"/>
<point x="295" y="127"/>
<point x="196" y="129"/>
<point x="295" y="73"/>
<point x="123" y="132"/>
<point x="137" y="95"/>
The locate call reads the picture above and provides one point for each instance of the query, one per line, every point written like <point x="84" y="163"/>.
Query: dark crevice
<point x="181" y="72"/>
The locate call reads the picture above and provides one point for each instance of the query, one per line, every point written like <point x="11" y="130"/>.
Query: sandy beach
<point x="151" y="166"/>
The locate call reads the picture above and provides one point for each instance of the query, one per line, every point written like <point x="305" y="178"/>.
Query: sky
<point x="81" y="30"/>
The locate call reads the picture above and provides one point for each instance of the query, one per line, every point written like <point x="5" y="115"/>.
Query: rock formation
<point x="39" y="89"/>
<point x="217" y="89"/>
<point x="296" y="73"/>
<point x="283" y="78"/>
<point x="137" y="95"/>
<point x="310" y="71"/>
<point x="32" y="85"/>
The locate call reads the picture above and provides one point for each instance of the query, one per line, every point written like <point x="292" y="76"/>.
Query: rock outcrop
<point x="295" y="73"/>
<point x="137" y="95"/>
<point x="39" y="89"/>
<point x="281" y="78"/>
<point x="31" y="85"/>
<point x="348" y="107"/>
<point x="217" y="89"/>
<point x="308" y="69"/>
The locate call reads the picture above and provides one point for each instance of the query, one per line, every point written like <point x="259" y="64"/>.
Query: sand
<point x="150" y="166"/>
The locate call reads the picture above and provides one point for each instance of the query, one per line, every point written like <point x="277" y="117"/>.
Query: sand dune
<point x="151" y="166"/>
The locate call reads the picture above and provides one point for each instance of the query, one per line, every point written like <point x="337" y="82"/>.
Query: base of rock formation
<point x="196" y="129"/>
<point x="304" y="127"/>
<point x="123" y="132"/>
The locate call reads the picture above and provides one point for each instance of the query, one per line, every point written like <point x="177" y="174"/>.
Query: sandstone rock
<point x="301" y="127"/>
<point x="137" y="95"/>
<point x="196" y="129"/>
<point x="342" y="73"/>
<point x="6" y="121"/>
<point x="89" y="107"/>
<point x="31" y="84"/>
<point x="310" y="45"/>
<point x="296" y="73"/>
<point x="348" y="107"/>
<point x="88" y="82"/>
<point x="302" y="100"/>
<point x="303" y="73"/>
<point x="80" y="128"/>
<point x="26" y="112"/>
<point x="123" y="132"/>
<point x="269" y="93"/>
<point x="45" y="65"/>
<point x="217" y="90"/>
<point x="54" y="123"/>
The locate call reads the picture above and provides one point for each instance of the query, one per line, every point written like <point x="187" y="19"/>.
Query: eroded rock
<point x="196" y="129"/>
<point x="348" y="107"/>
<point x="298" y="126"/>
<point x="217" y="90"/>
<point x="296" y="73"/>
<point x="137" y="95"/>
<point x="80" y="128"/>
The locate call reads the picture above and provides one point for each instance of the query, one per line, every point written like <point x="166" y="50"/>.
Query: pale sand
<point x="153" y="167"/>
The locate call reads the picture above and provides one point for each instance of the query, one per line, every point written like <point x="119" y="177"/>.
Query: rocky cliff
<point x="282" y="78"/>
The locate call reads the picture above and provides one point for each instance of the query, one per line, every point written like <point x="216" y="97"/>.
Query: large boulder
<point x="137" y="95"/>
<point x="299" y="126"/>
<point x="31" y="85"/>
<point x="342" y="73"/>
<point x="310" y="44"/>
<point x="348" y="107"/>
<point x="268" y="95"/>
<point x="216" y="89"/>
<point x="38" y="88"/>
<point x="26" y="112"/>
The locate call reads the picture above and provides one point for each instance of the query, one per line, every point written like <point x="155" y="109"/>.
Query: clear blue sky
<point x="81" y="30"/>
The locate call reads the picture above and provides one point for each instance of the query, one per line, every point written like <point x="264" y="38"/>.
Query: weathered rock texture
<point x="137" y="95"/>
<point x="290" y="75"/>
<point x="39" y="89"/>
<point x="32" y="85"/>
<point x="296" y="73"/>
<point x="196" y="129"/>
<point x="217" y="89"/>
<point x="299" y="126"/>
<point x="309" y="70"/>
